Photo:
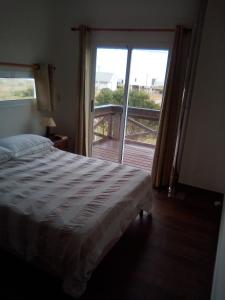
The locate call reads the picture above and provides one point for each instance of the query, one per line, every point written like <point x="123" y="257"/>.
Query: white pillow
<point x="25" y="144"/>
<point x="5" y="154"/>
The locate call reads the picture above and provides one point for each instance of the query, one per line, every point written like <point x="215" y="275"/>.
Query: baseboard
<point x="215" y="196"/>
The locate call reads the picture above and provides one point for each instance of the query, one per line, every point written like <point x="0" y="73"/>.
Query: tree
<point x="136" y="98"/>
<point x="118" y="96"/>
<point x="105" y="97"/>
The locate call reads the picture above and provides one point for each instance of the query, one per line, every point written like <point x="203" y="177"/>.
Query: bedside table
<point x="60" y="142"/>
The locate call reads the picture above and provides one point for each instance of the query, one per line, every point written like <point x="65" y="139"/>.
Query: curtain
<point x="83" y="105"/>
<point x="45" y="87"/>
<point x="186" y="103"/>
<point x="166" y="140"/>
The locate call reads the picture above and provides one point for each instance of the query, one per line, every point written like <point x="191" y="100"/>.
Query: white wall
<point x="204" y="152"/>
<point x="19" y="117"/>
<point x="130" y="13"/>
<point x="24" y="38"/>
<point x="218" y="288"/>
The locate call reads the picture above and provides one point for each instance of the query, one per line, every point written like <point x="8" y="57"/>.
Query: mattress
<point x="63" y="212"/>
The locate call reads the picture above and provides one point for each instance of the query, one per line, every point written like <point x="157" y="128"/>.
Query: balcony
<point x="140" y="139"/>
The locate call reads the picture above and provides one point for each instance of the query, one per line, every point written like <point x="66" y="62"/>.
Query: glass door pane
<point x="147" y="76"/>
<point x="108" y="103"/>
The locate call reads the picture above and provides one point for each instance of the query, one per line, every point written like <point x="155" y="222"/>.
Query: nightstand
<point x="60" y="142"/>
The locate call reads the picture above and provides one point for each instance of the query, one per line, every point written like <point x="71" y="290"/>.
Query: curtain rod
<point x="16" y="65"/>
<point x="33" y="66"/>
<point x="126" y="29"/>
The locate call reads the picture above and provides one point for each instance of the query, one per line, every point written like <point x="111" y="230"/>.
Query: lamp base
<point x="47" y="134"/>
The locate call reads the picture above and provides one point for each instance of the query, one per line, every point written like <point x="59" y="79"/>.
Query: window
<point x="16" y="83"/>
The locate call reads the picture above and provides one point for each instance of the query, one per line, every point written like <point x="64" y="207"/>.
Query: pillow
<point x="25" y="144"/>
<point x="5" y="154"/>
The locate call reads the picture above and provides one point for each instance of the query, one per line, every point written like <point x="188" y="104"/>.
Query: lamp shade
<point x="49" y="122"/>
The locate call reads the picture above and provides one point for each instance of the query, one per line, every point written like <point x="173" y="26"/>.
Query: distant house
<point x="106" y="80"/>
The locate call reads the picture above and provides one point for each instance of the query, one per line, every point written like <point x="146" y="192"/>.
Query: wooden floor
<point x="134" y="155"/>
<point x="167" y="256"/>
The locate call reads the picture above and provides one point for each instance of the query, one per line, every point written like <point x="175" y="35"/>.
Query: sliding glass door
<point x="146" y="85"/>
<point x="128" y="88"/>
<point x="108" y="119"/>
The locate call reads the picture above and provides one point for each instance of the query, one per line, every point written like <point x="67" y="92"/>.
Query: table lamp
<point x="49" y="123"/>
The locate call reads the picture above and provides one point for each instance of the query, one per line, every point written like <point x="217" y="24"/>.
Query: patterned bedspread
<point x="64" y="212"/>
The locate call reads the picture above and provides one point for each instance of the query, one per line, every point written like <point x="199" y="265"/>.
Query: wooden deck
<point x="134" y="155"/>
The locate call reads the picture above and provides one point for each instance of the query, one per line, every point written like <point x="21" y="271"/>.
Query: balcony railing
<point x="142" y="124"/>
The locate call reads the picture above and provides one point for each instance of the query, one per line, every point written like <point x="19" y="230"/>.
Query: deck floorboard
<point x="134" y="155"/>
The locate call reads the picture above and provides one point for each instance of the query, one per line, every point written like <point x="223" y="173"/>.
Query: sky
<point x="145" y="64"/>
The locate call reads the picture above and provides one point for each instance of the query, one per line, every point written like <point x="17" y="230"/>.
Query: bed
<point x="63" y="212"/>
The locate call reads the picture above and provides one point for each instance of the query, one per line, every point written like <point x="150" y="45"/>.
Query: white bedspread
<point x="64" y="212"/>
